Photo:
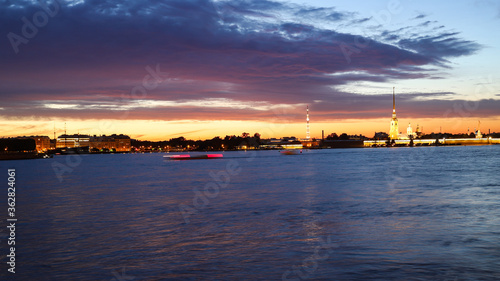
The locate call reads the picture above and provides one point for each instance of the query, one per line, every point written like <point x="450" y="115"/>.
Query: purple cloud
<point x="94" y="53"/>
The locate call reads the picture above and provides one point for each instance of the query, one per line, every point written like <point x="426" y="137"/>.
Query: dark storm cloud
<point x="95" y="52"/>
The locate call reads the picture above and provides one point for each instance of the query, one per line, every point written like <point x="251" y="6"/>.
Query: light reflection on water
<point x="390" y="214"/>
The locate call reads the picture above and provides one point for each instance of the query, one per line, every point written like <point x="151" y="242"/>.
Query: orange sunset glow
<point x="229" y="71"/>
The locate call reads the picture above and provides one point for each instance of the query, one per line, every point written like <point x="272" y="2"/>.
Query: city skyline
<point x="201" y="69"/>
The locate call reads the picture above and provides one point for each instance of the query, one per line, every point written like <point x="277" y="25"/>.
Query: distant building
<point x="122" y="142"/>
<point x="409" y="133"/>
<point x="42" y="142"/>
<point x="394" y="131"/>
<point x="119" y="143"/>
<point x="409" y="130"/>
<point x="285" y="143"/>
<point x="478" y="132"/>
<point x="53" y="143"/>
<point x="76" y="140"/>
<point x="418" y="131"/>
<point x="310" y="143"/>
<point x="102" y="142"/>
<point x="113" y="142"/>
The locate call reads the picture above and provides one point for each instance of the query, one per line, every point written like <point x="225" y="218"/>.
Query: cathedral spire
<point x="393" y="100"/>
<point x="394" y="131"/>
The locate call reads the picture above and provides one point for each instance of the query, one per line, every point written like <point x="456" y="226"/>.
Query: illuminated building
<point x="122" y="142"/>
<point x="478" y="132"/>
<point x="42" y="142"/>
<point x="72" y="141"/>
<point x="115" y="142"/>
<point x="286" y="143"/>
<point x="409" y="132"/>
<point x="311" y="143"/>
<point x="394" y="131"/>
<point x="418" y="132"/>
<point x="102" y="142"/>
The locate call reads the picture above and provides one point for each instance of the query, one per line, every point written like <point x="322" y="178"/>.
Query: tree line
<point x="216" y="143"/>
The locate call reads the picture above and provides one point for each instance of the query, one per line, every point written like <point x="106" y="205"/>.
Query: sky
<point x="198" y="68"/>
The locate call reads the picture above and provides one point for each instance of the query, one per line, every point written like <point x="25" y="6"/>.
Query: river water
<point x="421" y="213"/>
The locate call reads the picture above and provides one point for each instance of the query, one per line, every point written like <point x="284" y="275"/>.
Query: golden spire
<point x="394" y="100"/>
<point x="394" y="132"/>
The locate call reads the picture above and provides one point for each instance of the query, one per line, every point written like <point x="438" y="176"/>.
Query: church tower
<point x="394" y="132"/>
<point x="478" y="132"/>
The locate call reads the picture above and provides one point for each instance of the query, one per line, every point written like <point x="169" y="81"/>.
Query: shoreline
<point x="356" y="144"/>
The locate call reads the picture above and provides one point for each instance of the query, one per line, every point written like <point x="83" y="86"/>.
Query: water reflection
<point x="439" y="221"/>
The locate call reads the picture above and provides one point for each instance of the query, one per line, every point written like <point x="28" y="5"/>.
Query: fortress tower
<point x="394" y="131"/>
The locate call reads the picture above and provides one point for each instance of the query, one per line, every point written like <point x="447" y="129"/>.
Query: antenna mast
<point x="308" y="136"/>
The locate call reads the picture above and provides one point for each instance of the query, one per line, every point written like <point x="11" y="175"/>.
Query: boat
<point x="192" y="157"/>
<point x="290" y="152"/>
